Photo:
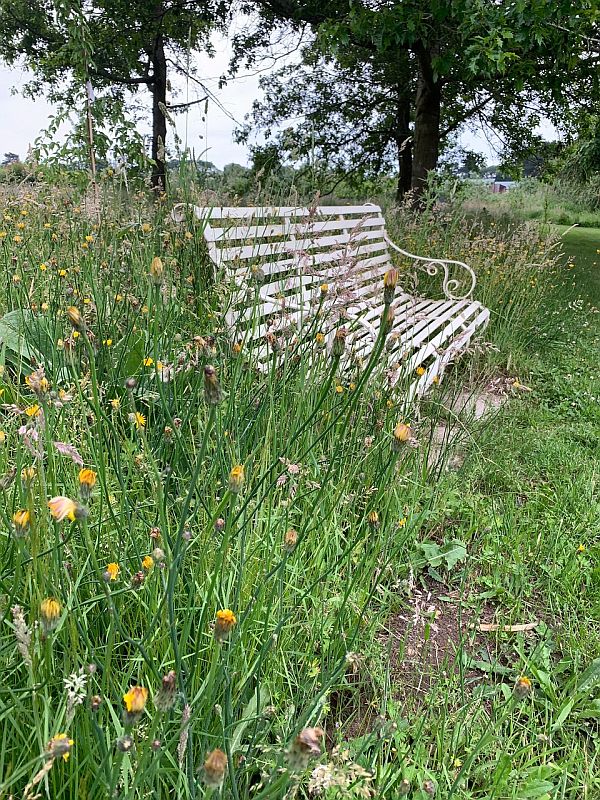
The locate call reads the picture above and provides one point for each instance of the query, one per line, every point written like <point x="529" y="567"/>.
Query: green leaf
<point x="16" y="333"/>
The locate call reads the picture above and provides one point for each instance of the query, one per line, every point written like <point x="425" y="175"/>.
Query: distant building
<point x="499" y="187"/>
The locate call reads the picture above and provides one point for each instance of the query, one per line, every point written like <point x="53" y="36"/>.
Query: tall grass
<point x="223" y="574"/>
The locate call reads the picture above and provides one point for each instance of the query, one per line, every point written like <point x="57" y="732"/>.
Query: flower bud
<point x="373" y="520"/>
<point x="224" y="624"/>
<point x="522" y="687"/>
<point x="390" y="279"/>
<point x="215" y="768"/>
<point x="157" y="271"/>
<point x="402" y="434"/>
<point x="165" y="698"/>
<point x="236" y="479"/>
<point x="290" y="540"/>
<point x="339" y="343"/>
<point x="304" y="747"/>
<point x="76" y="319"/>
<point x="213" y="393"/>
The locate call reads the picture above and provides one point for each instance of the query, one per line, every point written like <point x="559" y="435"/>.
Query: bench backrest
<point x="291" y="251"/>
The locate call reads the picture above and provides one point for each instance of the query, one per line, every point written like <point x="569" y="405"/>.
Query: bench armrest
<point x="432" y="267"/>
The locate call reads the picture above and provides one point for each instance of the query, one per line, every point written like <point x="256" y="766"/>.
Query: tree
<point x="10" y="158"/>
<point x="501" y="64"/>
<point x="120" y="46"/>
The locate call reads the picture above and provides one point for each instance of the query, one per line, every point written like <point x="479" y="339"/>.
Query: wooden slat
<point x="248" y="212"/>
<point x="304" y="229"/>
<point x="274" y="248"/>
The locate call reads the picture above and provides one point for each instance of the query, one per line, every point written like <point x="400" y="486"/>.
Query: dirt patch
<point x="429" y="640"/>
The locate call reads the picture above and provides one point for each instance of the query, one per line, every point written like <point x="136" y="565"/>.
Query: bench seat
<point x="285" y="264"/>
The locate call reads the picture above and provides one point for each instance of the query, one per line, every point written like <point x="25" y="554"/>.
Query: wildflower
<point x="62" y="273"/>
<point x="64" y="508"/>
<point x="305" y="746"/>
<point x="236" y="479"/>
<point x="339" y="389"/>
<point x="116" y="403"/>
<point x="581" y="548"/>
<point x="137" y="579"/>
<point x="147" y="562"/>
<point x="130" y="384"/>
<point x="339" y="343"/>
<point x="112" y="570"/>
<point x="146" y="227"/>
<point x="156" y="271"/>
<point x="87" y="481"/>
<point x="135" y="702"/>
<point x="2" y="438"/>
<point x="420" y="371"/>
<point x="95" y="702"/>
<point x="390" y="279"/>
<point x="402" y="434"/>
<point x="215" y="768"/>
<point x="37" y="382"/>
<point x="236" y="348"/>
<point x="17" y="239"/>
<point x="213" y="394"/>
<point x="522" y="687"/>
<point x="373" y="519"/>
<point x="32" y="411"/>
<point x="225" y="622"/>
<point x="60" y="745"/>
<point x="320" y="340"/>
<point x="324" y="289"/>
<point x="165" y="699"/>
<point x="28" y="475"/>
<point x="50" y="613"/>
<point x="76" y="319"/>
<point x="43" y="267"/>
<point x="138" y="419"/>
<point x="219" y="525"/>
<point x="147" y="362"/>
<point x="290" y="540"/>
<point x="402" y="522"/>
<point x="21" y="521"/>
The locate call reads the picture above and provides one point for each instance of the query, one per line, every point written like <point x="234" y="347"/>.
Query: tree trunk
<point x="426" y="144"/>
<point x="159" y="122"/>
<point x="404" y="147"/>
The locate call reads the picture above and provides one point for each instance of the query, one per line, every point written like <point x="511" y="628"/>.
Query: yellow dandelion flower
<point x="339" y="389"/>
<point x="21" y="226"/>
<point x="402" y="522"/>
<point x="139" y="419"/>
<point x="89" y="238"/>
<point x="146" y="227"/>
<point x="420" y="371"/>
<point x="581" y="548"/>
<point x="60" y="746"/>
<point x="32" y="411"/>
<point x="62" y="508"/>
<point x="44" y="306"/>
<point x="147" y="562"/>
<point x="224" y="623"/>
<point x="17" y="239"/>
<point x="119" y="298"/>
<point x="50" y="610"/>
<point x="62" y="273"/>
<point x="21" y="521"/>
<point x="135" y="700"/>
<point x="112" y="570"/>
<point x="43" y="267"/>
<point x="147" y="362"/>
<point x="115" y="403"/>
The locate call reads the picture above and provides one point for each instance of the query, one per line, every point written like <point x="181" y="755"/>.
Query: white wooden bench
<point x="281" y="259"/>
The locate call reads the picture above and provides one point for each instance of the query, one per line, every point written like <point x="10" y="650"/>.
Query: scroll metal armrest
<point x="432" y="266"/>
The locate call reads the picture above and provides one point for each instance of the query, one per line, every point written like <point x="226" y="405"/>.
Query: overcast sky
<point x="23" y="119"/>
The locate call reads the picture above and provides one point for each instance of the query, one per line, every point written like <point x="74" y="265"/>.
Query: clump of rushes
<point x="157" y="271"/>
<point x="338" y="347"/>
<point x="390" y="280"/>
<point x="305" y="746"/>
<point x="87" y="481"/>
<point x="215" y="768"/>
<point x="236" y="479"/>
<point x="62" y="508"/>
<point x="522" y="688"/>
<point x="75" y="318"/>
<point x="50" y="610"/>
<point x="402" y="435"/>
<point x="21" y="522"/>
<point x="225" y="622"/>
<point x="135" y="702"/>
<point x="213" y="394"/>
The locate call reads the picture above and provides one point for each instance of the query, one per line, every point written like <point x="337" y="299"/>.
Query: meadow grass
<point x="219" y="611"/>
